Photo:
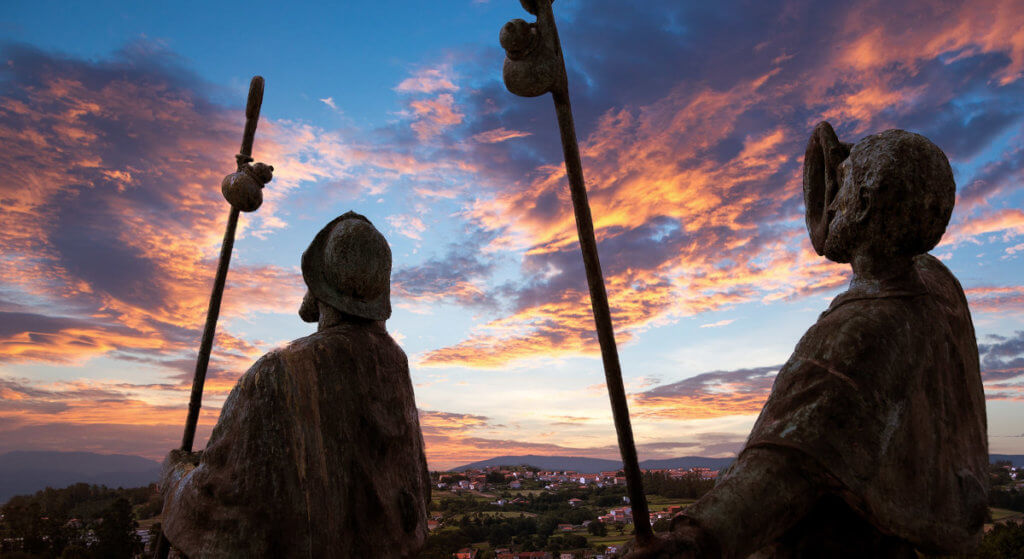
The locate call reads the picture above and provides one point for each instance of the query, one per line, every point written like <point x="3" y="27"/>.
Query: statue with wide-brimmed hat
<point x="318" y="450"/>
<point x="873" y="442"/>
<point x="347" y="267"/>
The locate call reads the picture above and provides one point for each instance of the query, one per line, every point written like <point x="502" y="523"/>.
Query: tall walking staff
<point x="243" y="189"/>
<point x="534" y="66"/>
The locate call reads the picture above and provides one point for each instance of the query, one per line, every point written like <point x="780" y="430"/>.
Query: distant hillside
<point x="687" y="462"/>
<point x="25" y="472"/>
<point x="578" y="464"/>
<point x="594" y="465"/>
<point x="1016" y="459"/>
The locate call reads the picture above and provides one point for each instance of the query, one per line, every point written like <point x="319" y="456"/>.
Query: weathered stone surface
<point x="873" y="441"/>
<point x="243" y="189"/>
<point x="884" y="394"/>
<point x="317" y="452"/>
<point x="895" y="198"/>
<point x="533" y="60"/>
<point x="348" y="267"/>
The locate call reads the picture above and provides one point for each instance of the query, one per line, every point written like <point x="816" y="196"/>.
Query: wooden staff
<point x="252" y="115"/>
<point x="243" y="190"/>
<point x="533" y="66"/>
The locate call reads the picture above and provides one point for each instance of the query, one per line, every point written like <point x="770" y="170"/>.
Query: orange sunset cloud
<point x="692" y="143"/>
<point x="684" y="227"/>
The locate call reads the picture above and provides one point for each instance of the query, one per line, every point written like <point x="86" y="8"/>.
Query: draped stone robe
<point x="883" y="396"/>
<point x="317" y="453"/>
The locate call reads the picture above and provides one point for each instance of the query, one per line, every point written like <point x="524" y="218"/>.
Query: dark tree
<point x="115" y="535"/>
<point x="1005" y="541"/>
<point x="24" y="527"/>
<point x="76" y="551"/>
<point x="547" y="524"/>
<point x="999" y="473"/>
<point x="597" y="528"/>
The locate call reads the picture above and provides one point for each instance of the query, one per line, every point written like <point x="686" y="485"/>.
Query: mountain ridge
<point x="594" y="465"/>
<point x="586" y="465"/>
<point x="23" y="472"/>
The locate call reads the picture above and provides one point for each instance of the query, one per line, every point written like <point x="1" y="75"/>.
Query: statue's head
<point x="888" y="196"/>
<point x="348" y="267"/>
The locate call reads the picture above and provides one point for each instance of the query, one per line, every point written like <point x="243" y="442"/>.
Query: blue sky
<point x="119" y="119"/>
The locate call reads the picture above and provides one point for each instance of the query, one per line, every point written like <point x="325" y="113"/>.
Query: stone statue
<point x="318" y="450"/>
<point x="873" y="441"/>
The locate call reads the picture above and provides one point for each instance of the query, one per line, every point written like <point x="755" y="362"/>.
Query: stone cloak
<point x="884" y="394"/>
<point x="317" y="453"/>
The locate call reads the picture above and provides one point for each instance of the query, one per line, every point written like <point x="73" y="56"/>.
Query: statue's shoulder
<point x="858" y="332"/>
<point x="839" y="326"/>
<point x="342" y="345"/>
<point x="263" y="375"/>
<point x="884" y="327"/>
<point x="941" y="282"/>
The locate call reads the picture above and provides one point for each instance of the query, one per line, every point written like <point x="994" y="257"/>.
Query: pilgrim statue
<point x="318" y="450"/>
<point x="873" y="440"/>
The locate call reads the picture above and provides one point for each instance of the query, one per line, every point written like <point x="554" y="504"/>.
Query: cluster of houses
<point x="1014" y="472"/>
<point x="559" y="480"/>
<point x="703" y="473"/>
<point x="476" y="480"/>
<point x="624" y="515"/>
<point x="474" y="483"/>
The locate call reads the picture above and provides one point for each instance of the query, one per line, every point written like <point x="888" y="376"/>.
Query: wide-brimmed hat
<point x="348" y="266"/>
<point x="824" y="154"/>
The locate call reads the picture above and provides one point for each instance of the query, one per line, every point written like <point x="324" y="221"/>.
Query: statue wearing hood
<point x="873" y="442"/>
<point x="318" y="450"/>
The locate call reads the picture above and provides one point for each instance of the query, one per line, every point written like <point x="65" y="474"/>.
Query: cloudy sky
<point x="118" y="121"/>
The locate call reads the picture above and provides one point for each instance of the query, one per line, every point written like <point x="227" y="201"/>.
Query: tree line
<point x="81" y="521"/>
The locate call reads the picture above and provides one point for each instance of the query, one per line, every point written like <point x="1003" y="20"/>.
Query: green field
<point x="1003" y="514"/>
<point x="659" y="500"/>
<point x="526" y="492"/>
<point x="437" y="494"/>
<point x="608" y="540"/>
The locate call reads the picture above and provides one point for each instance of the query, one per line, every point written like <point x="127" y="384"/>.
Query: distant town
<point x="523" y="512"/>
<point x="490" y="512"/>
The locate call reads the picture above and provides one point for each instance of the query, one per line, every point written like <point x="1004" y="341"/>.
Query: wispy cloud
<point x="744" y="391"/>
<point x="715" y="394"/>
<point x="696" y="192"/>
<point x="409" y="225"/>
<point x="996" y="299"/>
<point x="498" y="135"/>
<point x="119" y="238"/>
<point x="432" y="116"/>
<point x="113" y="221"/>
<point x="457" y="276"/>
<point x="112" y="218"/>
<point x="453" y="439"/>
<point x="1006" y="222"/>
<point x="103" y="416"/>
<point x="429" y="80"/>
<point x="1002" y="364"/>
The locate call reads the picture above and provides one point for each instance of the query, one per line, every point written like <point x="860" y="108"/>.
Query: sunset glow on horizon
<point x="118" y="123"/>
